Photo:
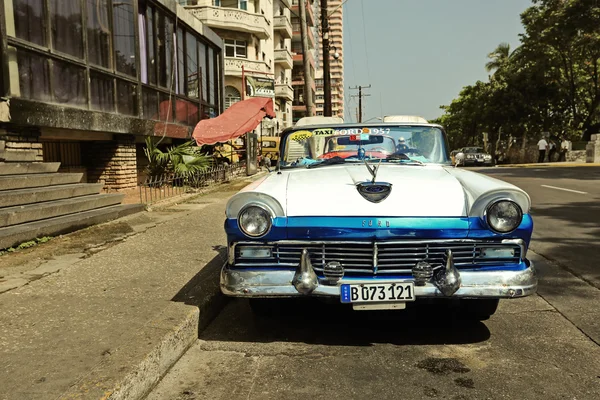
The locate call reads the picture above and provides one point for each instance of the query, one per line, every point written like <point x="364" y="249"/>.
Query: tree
<point x="499" y="57"/>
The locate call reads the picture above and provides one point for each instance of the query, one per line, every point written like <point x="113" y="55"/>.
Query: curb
<point x="552" y="165"/>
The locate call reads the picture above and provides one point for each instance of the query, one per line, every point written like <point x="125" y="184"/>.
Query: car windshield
<point x="395" y="144"/>
<point x="473" y="150"/>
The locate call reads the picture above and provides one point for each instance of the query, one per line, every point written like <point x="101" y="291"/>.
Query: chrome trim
<point x="475" y="284"/>
<point x="262" y="207"/>
<point x="519" y="242"/>
<point x="493" y="203"/>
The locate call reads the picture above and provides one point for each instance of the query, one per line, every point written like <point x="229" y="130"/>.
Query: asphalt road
<point x="544" y="346"/>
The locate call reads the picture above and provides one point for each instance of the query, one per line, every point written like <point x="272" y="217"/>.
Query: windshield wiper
<point x="329" y="161"/>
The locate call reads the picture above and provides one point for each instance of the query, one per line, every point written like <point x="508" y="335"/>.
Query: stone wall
<point x="112" y="163"/>
<point x="576" y="156"/>
<point x="22" y="141"/>
<point x="593" y="149"/>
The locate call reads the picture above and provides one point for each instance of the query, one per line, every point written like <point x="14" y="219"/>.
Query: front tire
<point x="478" y="309"/>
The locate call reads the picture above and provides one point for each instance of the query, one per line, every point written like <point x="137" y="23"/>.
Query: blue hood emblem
<point x="374" y="192"/>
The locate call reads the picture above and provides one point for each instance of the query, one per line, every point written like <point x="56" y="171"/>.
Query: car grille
<point x="362" y="258"/>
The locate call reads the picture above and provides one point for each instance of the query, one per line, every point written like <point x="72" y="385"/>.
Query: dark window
<point x="98" y="32"/>
<point x="126" y="98"/>
<point x="165" y="107"/>
<point x="150" y="46"/>
<point x="211" y="74"/>
<point x="150" y="103"/>
<point x="236" y="48"/>
<point x="202" y="57"/>
<point x="30" y="21"/>
<point x="165" y="50"/>
<point x="102" y="92"/>
<point x="192" y="65"/>
<point x="69" y="84"/>
<point x="34" y="76"/>
<point x="124" y="36"/>
<point x="180" y="62"/>
<point x="65" y="17"/>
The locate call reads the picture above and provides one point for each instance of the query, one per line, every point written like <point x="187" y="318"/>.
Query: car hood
<point x="417" y="191"/>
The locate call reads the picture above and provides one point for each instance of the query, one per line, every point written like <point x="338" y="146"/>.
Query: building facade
<point x="312" y="15"/>
<point x="336" y="45"/>
<point x="257" y="37"/>
<point x="86" y="81"/>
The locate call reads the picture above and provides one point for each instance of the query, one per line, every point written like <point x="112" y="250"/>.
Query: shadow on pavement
<point x="203" y="290"/>
<point x="315" y="322"/>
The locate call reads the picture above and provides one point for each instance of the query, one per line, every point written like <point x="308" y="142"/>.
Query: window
<point x="211" y="75"/>
<point x="126" y="98"/>
<point x="320" y="105"/>
<point x="243" y="4"/>
<point x="67" y="30"/>
<point x="217" y="3"/>
<point x="319" y="113"/>
<point x="320" y="98"/>
<point x="165" y="50"/>
<point x="192" y="66"/>
<point x="180" y="62"/>
<point x="34" y="76"/>
<point x="150" y="103"/>
<point x="150" y="55"/>
<point x="235" y="48"/>
<point x="30" y="21"/>
<point x="232" y="96"/>
<point x="102" y="92"/>
<point x="98" y="32"/>
<point x="69" y="84"/>
<point x="124" y="36"/>
<point x="203" y="68"/>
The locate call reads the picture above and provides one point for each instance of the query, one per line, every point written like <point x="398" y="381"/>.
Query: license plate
<point x="377" y="292"/>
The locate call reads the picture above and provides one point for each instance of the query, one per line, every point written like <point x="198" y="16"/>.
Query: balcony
<point x="284" y="91"/>
<point x="232" y="19"/>
<point x="310" y="15"/>
<point x="311" y="37"/>
<point x="233" y="66"/>
<point x="283" y="25"/>
<point x="284" y="57"/>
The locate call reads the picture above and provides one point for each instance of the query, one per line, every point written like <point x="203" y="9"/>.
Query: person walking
<point x="564" y="147"/>
<point x="542" y="147"/>
<point x="552" y="151"/>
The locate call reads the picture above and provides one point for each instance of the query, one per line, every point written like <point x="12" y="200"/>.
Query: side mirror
<point x="459" y="158"/>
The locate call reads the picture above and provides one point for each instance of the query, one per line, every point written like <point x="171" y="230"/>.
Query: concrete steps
<point x="28" y="168"/>
<point x="49" y="209"/>
<point x="18" y="156"/>
<point x="14" y="235"/>
<point x="37" y="201"/>
<point x="24" y="181"/>
<point x="19" y="197"/>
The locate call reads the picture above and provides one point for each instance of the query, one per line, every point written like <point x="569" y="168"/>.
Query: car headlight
<point x="254" y="221"/>
<point x="504" y="216"/>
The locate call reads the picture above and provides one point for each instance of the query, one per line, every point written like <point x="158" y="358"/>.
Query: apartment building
<point x="257" y="37"/>
<point x="336" y="45"/>
<point x="84" y="82"/>
<point x="312" y="17"/>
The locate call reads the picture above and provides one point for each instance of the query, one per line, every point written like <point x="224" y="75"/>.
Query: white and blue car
<point x="375" y="215"/>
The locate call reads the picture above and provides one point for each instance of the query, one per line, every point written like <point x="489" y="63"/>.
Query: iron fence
<point x="156" y="188"/>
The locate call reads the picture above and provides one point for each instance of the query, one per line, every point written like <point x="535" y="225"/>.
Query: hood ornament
<point x="374" y="192"/>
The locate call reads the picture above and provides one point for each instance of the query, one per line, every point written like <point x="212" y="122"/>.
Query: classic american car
<point x="476" y="156"/>
<point x="352" y="215"/>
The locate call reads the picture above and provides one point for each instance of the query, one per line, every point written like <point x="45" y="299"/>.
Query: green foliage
<point x="550" y="83"/>
<point x="26" y="245"/>
<point x="184" y="159"/>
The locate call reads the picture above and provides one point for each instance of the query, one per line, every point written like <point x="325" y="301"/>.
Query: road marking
<point x="566" y="190"/>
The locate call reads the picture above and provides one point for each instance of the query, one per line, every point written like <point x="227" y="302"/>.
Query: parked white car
<point x="376" y="216"/>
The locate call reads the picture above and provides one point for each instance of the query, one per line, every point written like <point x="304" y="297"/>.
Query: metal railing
<point x="157" y="188"/>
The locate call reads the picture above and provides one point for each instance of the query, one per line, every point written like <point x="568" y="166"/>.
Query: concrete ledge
<point x="18" y="156"/>
<point x="28" y="168"/>
<point x="15" y="235"/>
<point x="9" y="198"/>
<point x="50" y="209"/>
<point x="11" y="182"/>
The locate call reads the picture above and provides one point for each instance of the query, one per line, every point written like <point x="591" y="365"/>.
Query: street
<point x="543" y="346"/>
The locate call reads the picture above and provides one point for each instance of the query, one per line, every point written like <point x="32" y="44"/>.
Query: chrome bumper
<point x="474" y="284"/>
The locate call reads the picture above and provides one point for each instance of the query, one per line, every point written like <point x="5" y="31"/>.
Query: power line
<point x="360" y="97"/>
<point x="365" y="38"/>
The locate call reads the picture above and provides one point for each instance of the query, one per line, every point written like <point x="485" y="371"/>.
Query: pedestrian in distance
<point x="552" y="151"/>
<point x="542" y="147"/>
<point x="564" y="147"/>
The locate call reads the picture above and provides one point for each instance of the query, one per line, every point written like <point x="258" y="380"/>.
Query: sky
<point x="419" y="54"/>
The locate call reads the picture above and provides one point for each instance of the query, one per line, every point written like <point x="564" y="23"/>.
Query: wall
<point x="22" y="141"/>
<point x="112" y="163"/>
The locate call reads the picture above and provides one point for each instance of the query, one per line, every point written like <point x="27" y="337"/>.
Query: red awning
<point x="238" y="119"/>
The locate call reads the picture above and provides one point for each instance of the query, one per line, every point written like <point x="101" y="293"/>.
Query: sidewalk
<point x="107" y="323"/>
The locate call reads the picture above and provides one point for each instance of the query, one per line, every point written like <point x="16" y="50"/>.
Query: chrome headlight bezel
<point x="489" y="210"/>
<point x="268" y="214"/>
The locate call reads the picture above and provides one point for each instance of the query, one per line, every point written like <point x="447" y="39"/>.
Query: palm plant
<point x="184" y="159"/>
<point x="498" y="58"/>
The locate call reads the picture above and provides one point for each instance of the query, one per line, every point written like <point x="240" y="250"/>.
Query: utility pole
<point x="326" y="61"/>
<point x="308" y="100"/>
<point x="360" y="96"/>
